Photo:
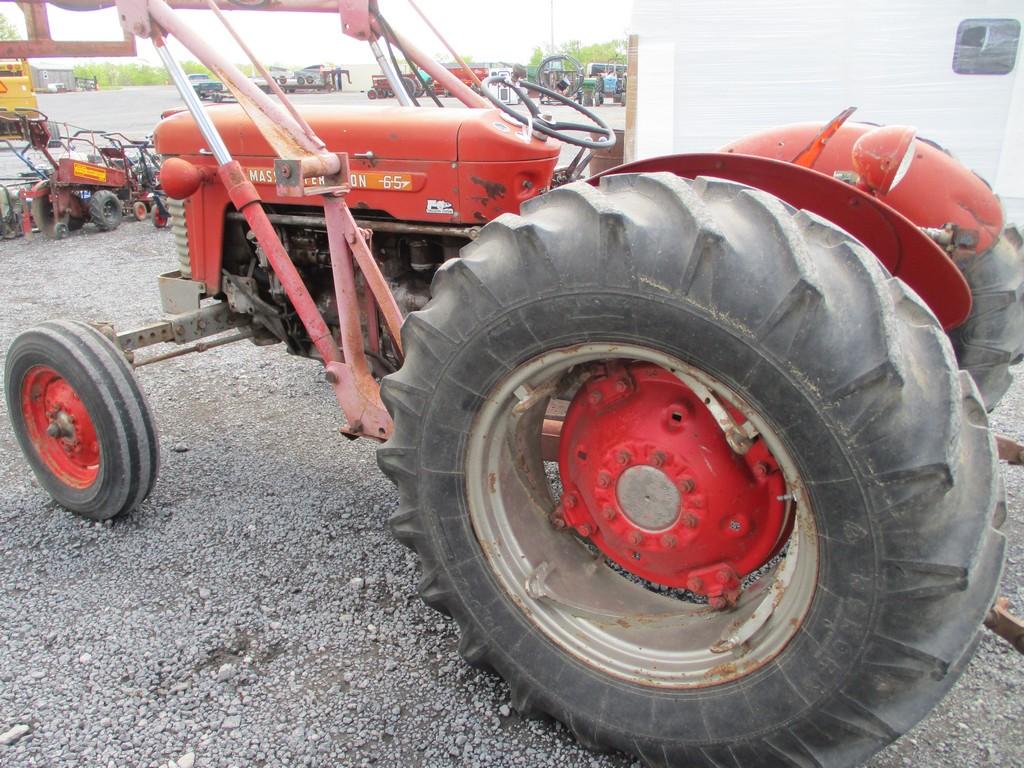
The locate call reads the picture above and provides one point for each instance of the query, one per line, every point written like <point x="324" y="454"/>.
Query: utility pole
<point x="552" y="51"/>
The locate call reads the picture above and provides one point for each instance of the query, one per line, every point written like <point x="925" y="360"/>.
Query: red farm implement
<point x="686" y="449"/>
<point x="85" y="176"/>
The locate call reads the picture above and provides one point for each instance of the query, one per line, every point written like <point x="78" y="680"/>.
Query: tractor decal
<point x="384" y="182"/>
<point x="91" y="172"/>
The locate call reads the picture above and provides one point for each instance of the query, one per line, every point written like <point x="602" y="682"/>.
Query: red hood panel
<point x="390" y="132"/>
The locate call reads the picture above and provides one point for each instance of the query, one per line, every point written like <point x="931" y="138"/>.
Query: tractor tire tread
<point x="991" y="340"/>
<point x="927" y="466"/>
<point x="105" y="210"/>
<point x="122" y="406"/>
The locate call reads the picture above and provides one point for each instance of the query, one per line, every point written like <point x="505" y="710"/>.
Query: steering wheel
<point x="556" y="129"/>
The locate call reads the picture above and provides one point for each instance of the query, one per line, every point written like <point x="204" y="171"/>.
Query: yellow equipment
<point x="16" y="92"/>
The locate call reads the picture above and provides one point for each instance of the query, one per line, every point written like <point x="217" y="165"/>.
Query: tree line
<point x="612" y="52"/>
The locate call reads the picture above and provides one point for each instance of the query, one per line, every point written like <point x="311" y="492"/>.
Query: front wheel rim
<point x="568" y="591"/>
<point x="60" y="428"/>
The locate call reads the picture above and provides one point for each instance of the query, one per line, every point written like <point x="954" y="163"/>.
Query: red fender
<point x="937" y="190"/>
<point x="903" y="248"/>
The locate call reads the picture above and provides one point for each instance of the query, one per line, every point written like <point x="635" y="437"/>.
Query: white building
<point x="709" y="73"/>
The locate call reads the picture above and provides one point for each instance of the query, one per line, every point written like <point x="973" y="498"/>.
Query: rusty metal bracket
<point x="1009" y="450"/>
<point x="305" y="177"/>
<point x="1005" y="624"/>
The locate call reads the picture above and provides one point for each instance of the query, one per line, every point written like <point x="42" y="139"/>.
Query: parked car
<point x="207" y="88"/>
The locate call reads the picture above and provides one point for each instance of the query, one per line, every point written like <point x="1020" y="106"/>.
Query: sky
<point x="482" y="30"/>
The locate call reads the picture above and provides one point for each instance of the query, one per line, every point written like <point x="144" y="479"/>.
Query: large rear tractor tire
<point x="992" y="338"/>
<point x="81" y="419"/>
<point x="105" y="210"/>
<point x="769" y="538"/>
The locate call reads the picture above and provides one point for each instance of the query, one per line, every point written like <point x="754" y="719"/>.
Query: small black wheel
<point x="991" y="339"/>
<point x="81" y="419"/>
<point x="769" y="537"/>
<point x="105" y="210"/>
<point x="410" y="86"/>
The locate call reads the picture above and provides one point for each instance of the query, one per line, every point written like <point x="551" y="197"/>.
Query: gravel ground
<point x="254" y="611"/>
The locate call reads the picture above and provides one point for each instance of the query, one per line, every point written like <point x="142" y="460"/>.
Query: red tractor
<point x="685" y="449"/>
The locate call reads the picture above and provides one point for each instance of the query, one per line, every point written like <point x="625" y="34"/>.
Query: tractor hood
<point x="389" y="132"/>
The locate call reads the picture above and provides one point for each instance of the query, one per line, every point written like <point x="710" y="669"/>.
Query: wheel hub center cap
<point x="650" y="477"/>
<point x="648" y="498"/>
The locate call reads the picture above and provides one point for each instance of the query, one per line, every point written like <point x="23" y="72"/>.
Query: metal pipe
<point x="245" y="198"/>
<point x="345" y="288"/>
<point x="389" y="72"/>
<point x="374" y="279"/>
<point x="397" y="227"/>
<point x="202" y="346"/>
<point x="278" y="128"/>
<point x="450" y="82"/>
<point x="195" y="107"/>
<point x="261" y="70"/>
<point x="458" y="59"/>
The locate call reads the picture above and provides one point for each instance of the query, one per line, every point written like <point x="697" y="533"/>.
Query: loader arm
<point x="301" y="156"/>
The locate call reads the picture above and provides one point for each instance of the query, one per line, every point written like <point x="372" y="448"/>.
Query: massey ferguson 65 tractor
<point x="695" y="453"/>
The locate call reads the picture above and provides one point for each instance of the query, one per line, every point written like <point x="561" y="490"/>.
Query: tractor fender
<point x="896" y="241"/>
<point x="937" y="189"/>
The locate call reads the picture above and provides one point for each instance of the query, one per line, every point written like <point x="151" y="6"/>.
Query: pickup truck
<point x="207" y="88"/>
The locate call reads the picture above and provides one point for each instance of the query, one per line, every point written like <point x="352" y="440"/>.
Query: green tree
<point x="612" y="52"/>
<point x="123" y="73"/>
<point x="194" y="68"/>
<point x="8" y="31"/>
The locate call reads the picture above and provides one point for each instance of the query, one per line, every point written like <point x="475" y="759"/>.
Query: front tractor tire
<point x="81" y="419"/>
<point x="805" y="611"/>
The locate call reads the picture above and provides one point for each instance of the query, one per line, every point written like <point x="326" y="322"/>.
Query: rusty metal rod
<point x="202" y="346"/>
<point x="1005" y="624"/>
<point x="446" y="44"/>
<point x="448" y="81"/>
<point x="271" y="82"/>
<point x="398" y="227"/>
<point x="1009" y="450"/>
<point x="273" y="121"/>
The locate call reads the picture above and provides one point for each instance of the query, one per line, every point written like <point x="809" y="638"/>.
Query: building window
<point x="986" y="46"/>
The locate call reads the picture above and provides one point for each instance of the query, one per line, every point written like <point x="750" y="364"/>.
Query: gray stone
<point x="14" y="735"/>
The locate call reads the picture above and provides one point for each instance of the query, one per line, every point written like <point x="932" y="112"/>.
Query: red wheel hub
<point x="650" y="478"/>
<point x="59" y="427"/>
